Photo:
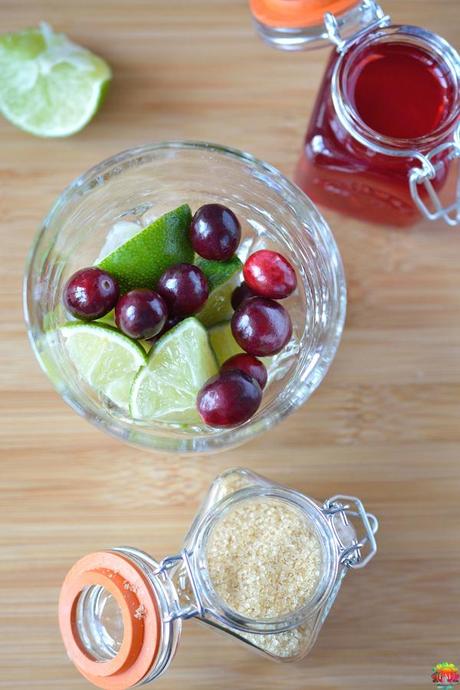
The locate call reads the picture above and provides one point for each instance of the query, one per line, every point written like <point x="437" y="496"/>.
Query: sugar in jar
<point x="383" y="141"/>
<point x="260" y="562"/>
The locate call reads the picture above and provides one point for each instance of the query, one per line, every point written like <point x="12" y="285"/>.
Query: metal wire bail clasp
<point x="371" y="16"/>
<point x="342" y="508"/>
<point x="195" y="608"/>
<point x="426" y="175"/>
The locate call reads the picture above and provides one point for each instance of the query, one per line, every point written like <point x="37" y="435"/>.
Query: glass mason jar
<point x="383" y="141"/>
<point x="130" y="190"/>
<point x="121" y="611"/>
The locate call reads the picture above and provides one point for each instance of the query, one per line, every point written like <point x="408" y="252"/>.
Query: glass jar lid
<point x="114" y="620"/>
<point x="307" y="24"/>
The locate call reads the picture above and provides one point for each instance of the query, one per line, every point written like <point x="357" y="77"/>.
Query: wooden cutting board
<point x="384" y="425"/>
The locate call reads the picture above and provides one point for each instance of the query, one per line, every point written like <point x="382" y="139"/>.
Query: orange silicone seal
<point x="141" y="620"/>
<point x="295" y="14"/>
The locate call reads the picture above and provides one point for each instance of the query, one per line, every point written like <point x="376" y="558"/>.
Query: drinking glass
<point x="137" y="186"/>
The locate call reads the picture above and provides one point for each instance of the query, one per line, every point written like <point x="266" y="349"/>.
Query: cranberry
<point x="250" y="365"/>
<point x="184" y="288"/>
<point x="215" y="232"/>
<point x="240" y="294"/>
<point x="141" y="313"/>
<point x="269" y="274"/>
<point x="261" y="326"/>
<point x="90" y="293"/>
<point x="229" y="398"/>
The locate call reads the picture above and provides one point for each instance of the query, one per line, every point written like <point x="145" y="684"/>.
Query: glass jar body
<point x="342" y="163"/>
<point x="121" y="611"/>
<point x="290" y="637"/>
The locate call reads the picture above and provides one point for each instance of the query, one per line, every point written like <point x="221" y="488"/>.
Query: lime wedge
<point x="222" y="342"/>
<point x="105" y="358"/>
<point x="223" y="277"/>
<point x="107" y="319"/>
<point x="177" y="367"/>
<point x="219" y="272"/>
<point x="49" y="86"/>
<point x="140" y="261"/>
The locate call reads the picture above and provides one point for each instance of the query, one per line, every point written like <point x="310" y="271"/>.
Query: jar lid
<point x="297" y="13"/>
<point x="301" y="24"/>
<point x="132" y="615"/>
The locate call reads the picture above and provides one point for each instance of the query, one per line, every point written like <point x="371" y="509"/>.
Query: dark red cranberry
<point x="228" y="399"/>
<point x="90" y="293"/>
<point x="261" y="326"/>
<point x="250" y="365"/>
<point x="240" y="294"/>
<point x="215" y="232"/>
<point x="269" y="274"/>
<point x="184" y="288"/>
<point x="141" y="313"/>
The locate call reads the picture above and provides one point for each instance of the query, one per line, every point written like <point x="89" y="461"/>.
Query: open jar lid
<point x="110" y="621"/>
<point x="301" y="25"/>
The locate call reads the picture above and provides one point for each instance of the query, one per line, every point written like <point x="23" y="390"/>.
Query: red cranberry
<point x="269" y="274"/>
<point x="215" y="232"/>
<point x="261" y="326"/>
<point x="240" y="294"/>
<point x="90" y="293"/>
<point x="229" y="398"/>
<point x="250" y="365"/>
<point x="184" y="288"/>
<point x="141" y="313"/>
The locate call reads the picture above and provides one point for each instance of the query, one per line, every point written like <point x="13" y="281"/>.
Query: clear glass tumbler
<point x="139" y="185"/>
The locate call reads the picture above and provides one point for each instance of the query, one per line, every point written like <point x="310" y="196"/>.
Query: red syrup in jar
<point x="397" y="91"/>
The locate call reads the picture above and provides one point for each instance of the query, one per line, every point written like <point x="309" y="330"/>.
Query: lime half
<point x="177" y="367"/>
<point x="139" y="262"/>
<point x="49" y="86"/>
<point x="105" y="358"/>
<point x="223" y="277"/>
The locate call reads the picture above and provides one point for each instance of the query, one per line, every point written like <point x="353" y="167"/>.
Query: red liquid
<point x="399" y="91"/>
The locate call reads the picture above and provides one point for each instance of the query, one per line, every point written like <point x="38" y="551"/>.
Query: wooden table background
<point x="384" y="425"/>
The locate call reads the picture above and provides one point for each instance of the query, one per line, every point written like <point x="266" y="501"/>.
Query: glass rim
<point x="205" y="441"/>
<point x="348" y="114"/>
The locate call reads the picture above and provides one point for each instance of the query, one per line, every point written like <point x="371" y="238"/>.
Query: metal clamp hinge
<point x="426" y="175"/>
<point x="374" y="18"/>
<point x="193" y="610"/>
<point x="351" y="553"/>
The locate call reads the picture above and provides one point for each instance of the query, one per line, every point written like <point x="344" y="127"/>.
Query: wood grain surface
<point x="384" y="425"/>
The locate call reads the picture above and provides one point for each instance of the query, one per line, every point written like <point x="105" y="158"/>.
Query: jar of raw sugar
<point x="384" y="138"/>
<point x="261" y="562"/>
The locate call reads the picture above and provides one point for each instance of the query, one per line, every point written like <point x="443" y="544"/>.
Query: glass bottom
<point x="100" y="623"/>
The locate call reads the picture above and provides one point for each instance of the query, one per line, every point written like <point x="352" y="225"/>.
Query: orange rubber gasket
<point x="141" y="619"/>
<point x="294" y="14"/>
